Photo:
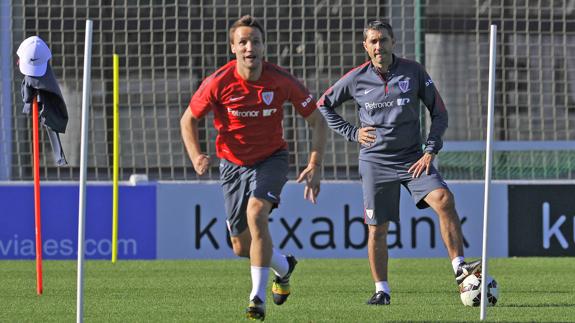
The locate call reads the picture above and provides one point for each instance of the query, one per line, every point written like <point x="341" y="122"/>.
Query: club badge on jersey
<point x="268" y="97"/>
<point x="404" y="86"/>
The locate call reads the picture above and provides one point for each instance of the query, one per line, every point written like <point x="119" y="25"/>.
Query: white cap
<point x="34" y="55"/>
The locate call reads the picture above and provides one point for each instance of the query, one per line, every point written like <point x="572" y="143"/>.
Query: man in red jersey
<point x="246" y="96"/>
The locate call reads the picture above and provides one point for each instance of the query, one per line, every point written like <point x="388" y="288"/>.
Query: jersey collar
<point x="391" y="67"/>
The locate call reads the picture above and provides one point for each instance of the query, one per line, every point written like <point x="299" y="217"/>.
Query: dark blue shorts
<point x="381" y="189"/>
<point x="263" y="180"/>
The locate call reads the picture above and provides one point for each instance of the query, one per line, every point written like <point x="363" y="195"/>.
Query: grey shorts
<point x="381" y="189"/>
<point x="263" y="180"/>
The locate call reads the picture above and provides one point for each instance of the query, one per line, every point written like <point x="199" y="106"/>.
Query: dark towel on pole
<point x="53" y="112"/>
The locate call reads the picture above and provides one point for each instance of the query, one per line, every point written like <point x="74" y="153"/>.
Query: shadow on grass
<point x="538" y="305"/>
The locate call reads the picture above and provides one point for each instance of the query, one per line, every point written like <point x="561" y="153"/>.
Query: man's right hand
<point x="201" y="163"/>
<point x="311" y="175"/>
<point x="366" y="136"/>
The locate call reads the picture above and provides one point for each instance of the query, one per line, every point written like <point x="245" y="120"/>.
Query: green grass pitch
<point x="334" y="290"/>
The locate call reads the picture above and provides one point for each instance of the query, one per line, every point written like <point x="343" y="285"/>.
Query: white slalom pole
<point x="86" y="95"/>
<point x="488" y="158"/>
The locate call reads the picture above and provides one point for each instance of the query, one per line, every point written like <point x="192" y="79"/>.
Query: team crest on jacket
<point x="268" y="97"/>
<point x="404" y="86"/>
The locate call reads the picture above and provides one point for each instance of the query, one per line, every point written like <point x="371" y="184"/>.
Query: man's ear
<point x="233" y="48"/>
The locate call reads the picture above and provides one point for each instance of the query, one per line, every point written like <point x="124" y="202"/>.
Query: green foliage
<point x="531" y="289"/>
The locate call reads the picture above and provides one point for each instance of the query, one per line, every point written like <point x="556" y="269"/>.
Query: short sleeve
<point x="301" y="98"/>
<point x="203" y="100"/>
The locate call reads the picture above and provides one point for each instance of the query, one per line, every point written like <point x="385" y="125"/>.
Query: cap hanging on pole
<point x="34" y="55"/>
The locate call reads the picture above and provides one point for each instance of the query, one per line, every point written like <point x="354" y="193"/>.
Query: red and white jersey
<point x="248" y="114"/>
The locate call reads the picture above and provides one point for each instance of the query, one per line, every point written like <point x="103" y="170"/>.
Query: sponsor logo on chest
<point x="252" y="113"/>
<point x="267" y="97"/>
<point x="244" y="114"/>
<point x="386" y="104"/>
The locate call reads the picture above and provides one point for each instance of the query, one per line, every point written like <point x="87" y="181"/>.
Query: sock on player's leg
<point x="382" y="286"/>
<point x="259" y="282"/>
<point x="279" y="263"/>
<point x="455" y="262"/>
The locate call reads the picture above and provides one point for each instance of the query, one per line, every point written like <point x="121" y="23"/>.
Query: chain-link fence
<point x="167" y="47"/>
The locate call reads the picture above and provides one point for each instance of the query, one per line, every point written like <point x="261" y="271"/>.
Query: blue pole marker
<point x="6" y="65"/>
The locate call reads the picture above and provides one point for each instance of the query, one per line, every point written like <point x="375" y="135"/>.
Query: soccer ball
<point x="470" y="291"/>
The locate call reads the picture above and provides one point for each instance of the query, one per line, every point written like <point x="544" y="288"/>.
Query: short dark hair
<point x="247" y="21"/>
<point x="377" y="25"/>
